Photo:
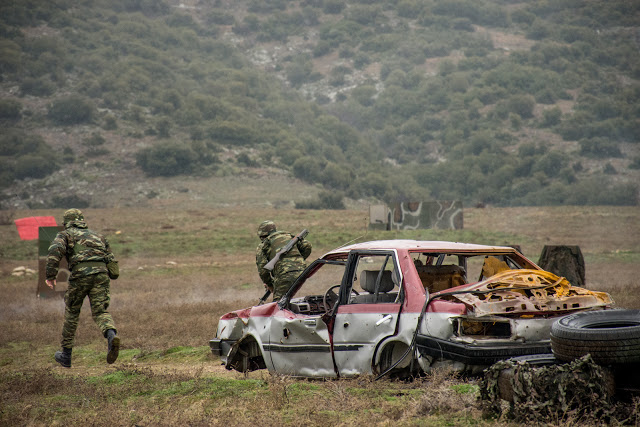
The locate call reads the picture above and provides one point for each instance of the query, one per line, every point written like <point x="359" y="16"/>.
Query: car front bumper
<point x="220" y="347"/>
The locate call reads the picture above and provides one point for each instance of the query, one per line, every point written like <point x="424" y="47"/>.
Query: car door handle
<point x="386" y="318"/>
<point x="310" y="322"/>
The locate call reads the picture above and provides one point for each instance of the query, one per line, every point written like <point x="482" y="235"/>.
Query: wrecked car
<point x="402" y="307"/>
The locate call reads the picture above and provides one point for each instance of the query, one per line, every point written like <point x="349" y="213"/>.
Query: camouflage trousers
<point x="282" y="282"/>
<point x="96" y="287"/>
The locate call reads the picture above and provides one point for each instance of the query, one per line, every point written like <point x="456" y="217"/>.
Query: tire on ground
<point x="610" y="336"/>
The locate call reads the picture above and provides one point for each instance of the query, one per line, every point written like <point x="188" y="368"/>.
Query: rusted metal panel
<point x="530" y="292"/>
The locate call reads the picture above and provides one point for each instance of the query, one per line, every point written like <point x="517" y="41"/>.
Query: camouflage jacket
<point x="86" y="252"/>
<point x="291" y="261"/>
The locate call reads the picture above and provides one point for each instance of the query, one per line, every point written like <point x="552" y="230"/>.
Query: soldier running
<point x="87" y="254"/>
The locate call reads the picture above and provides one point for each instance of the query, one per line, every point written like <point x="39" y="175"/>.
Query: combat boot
<point x="113" y="348"/>
<point x="63" y="357"/>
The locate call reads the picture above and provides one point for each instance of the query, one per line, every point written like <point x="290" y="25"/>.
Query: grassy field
<point x="182" y="268"/>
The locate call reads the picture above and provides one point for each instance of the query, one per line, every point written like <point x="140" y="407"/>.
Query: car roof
<point x="423" y="245"/>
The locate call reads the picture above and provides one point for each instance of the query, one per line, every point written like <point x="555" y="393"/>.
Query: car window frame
<point x="352" y="265"/>
<point x="311" y="269"/>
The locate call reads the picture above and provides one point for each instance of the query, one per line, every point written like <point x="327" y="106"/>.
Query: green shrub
<point x="70" y="201"/>
<point x="546" y="96"/>
<point x="325" y="200"/>
<point x="110" y="122"/>
<point x="322" y="48"/>
<point x="67" y="155"/>
<point x="364" y="95"/>
<point x="234" y="133"/>
<point x="10" y="109"/>
<point x="609" y="169"/>
<point x="166" y="159"/>
<point x="10" y="56"/>
<point x="34" y="166"/>
<point x="250" y="24"/>
<point x="244" y="159"/>
<point x="336" y="175"/>
<point x="599" y="148"/>
<point x="71" y="110"/>
<point x="538" y="30"/>
<point x="40" y="86"/>
<point x="462" y="24"/>
<point x="308" y="168"/>
<point x="410" y="8"/>
<point x="333" y="7"/>
<point x="95" y="140"/>
<point x="522" y="16"/>
<point x="220" y="18"/>
<point x="551" y="163"/>
<point x="298" y="72"/>
<point x="522" y="105"/>
<point x="551" y="117"/>
<point x="365" y="14"/>
<point x="15" y="143"/>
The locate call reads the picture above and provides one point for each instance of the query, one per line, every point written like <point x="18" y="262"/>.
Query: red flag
<point x="28" y="227"/>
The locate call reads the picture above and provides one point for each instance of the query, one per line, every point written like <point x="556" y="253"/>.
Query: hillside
<point x="496" y="102"/>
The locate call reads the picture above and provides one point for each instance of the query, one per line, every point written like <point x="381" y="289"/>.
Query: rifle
<point x="264" y="297"/>
<point x="271" y="264"/>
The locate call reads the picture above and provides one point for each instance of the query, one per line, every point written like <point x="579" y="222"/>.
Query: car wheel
<point x="610" y="336"/>
<point x="246" y="356"/>
<point x="390" y="354"/>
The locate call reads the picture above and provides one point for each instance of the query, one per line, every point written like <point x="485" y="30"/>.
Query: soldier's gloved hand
<point x="51" y="283"/>
<point x="270" y="288"/>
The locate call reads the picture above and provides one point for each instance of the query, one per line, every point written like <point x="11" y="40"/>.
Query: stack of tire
<point x="611" y="337"/>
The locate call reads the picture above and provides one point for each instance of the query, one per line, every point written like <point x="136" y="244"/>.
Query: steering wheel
<point x="331" y="298"/>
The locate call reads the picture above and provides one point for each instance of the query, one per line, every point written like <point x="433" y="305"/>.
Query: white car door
<point x="364" y="319"/>
<point x="299" y="342"/>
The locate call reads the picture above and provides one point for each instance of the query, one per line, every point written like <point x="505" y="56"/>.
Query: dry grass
<point x="182" y="269"/>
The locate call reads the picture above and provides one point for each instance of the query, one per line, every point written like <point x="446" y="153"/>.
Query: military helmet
<point x="266" y="228"/>
<point x="73" y="215"/>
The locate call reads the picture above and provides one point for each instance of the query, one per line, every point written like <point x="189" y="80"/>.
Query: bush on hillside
<point x="72" y="110"/>
<point x="10" y="109"/>
<point x="166" y="159"/>
<point x="39" y="86"/>
<point x="325" y="200"/>
<point x="34" y="166"/>
<point x="26" y="156"/>
<point x="551" y="117"/>
<point x="68" y="201"/>
<point x="599" y="148"/>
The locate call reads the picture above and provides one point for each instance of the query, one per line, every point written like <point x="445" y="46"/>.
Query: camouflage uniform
<point x="87" y="254"/>
<point x="288" y="267"/>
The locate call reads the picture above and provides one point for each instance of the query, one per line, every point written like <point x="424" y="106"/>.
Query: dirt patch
<point x="507" y="41"/>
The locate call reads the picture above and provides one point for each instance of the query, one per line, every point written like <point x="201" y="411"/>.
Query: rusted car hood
<point x="528" y="292"/>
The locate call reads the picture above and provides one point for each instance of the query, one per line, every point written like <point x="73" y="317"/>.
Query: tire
<point x="610" y="336"/>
